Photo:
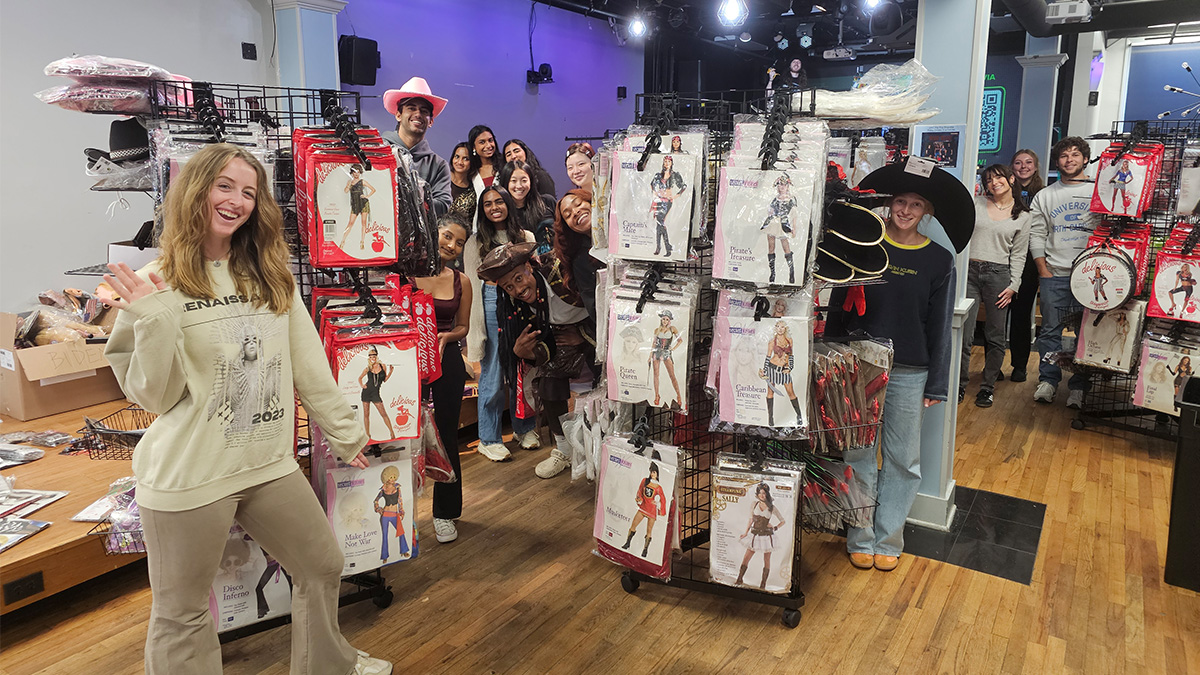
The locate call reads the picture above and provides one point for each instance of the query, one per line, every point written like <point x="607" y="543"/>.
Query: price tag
<point x="920" y="166"/>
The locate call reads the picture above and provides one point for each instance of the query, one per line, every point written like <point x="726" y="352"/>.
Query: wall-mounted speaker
<point x="359" y="59"/>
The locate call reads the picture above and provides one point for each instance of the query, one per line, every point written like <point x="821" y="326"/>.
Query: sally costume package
<point x="376" y="369"/>
<point x="635" y="517"/>
<point x="250" y="585"/>
<point x="754" y="524"/>
<point x="371" y="510"/>
<point x="651" y="209"/>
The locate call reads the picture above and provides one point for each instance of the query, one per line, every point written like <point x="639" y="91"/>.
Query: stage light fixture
<point x="871" y="4"/>
<point x="637" y="27"/>
<point x="733" y="12"/>
<point x="782" y="44"/>
<point x="745" y="36"/>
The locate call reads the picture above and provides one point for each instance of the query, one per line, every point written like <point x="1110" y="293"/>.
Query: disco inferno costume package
<point x="652" y="209"/>
<point x="372" y="510"/>
<point x="648" y="352"/>
<point x="250" y="585"/>
<point x="635" y="517"/>
<point x="763" y="216"/>
<point x="753" y="529"/>
<point x="377" y="373"/>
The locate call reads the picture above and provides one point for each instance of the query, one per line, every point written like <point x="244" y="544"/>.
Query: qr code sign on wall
<point x="991" y="122"/>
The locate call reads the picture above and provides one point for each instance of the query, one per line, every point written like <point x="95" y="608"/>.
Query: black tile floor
<point x="991" y="533"/>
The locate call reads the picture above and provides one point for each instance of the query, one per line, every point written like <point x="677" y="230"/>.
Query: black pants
<point x="447" y="394"/>
<point x="1020" y="316"/>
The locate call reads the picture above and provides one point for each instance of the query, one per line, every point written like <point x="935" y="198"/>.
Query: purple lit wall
<point x="475" y="53"/>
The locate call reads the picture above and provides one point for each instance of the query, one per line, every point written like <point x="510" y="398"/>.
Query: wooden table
<point x="62" y="555"/>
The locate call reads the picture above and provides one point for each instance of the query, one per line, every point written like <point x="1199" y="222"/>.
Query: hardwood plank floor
<point x="521" y="592"/>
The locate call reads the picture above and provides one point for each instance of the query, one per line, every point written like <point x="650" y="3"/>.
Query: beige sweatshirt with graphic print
<point x="221" y="374"/>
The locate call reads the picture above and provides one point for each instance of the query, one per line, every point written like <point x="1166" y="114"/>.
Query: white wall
<point x="475" y="53"/>
<point x="49" y="220"/>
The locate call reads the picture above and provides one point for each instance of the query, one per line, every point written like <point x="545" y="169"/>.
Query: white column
<point x="1039" y="91"/>
<point x="952" y="37"/>
<point x="1084" y="119"/>
<point x="307" y="31"/>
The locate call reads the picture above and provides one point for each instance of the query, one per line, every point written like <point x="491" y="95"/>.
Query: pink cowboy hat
<point x="416" y="87"/>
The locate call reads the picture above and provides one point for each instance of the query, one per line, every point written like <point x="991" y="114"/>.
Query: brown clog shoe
<point x="862" y="561"/>
<point x="886" y="563"/>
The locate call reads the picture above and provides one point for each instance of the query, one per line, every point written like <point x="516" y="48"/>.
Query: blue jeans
<point x="1057" y="303"/>
<point x="493" y="394"/>
<point x="895" y="485"/>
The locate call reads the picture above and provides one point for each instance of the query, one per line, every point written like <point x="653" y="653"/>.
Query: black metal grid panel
<point x="1109" y="401"/>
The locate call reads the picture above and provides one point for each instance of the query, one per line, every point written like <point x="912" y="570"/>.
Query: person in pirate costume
<point x="546" y="336"/>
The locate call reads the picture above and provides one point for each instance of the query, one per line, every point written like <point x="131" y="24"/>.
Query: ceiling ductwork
<point x="1031" y="14"/>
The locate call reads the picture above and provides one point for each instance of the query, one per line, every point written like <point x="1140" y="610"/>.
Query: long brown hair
<point x="486" y="235"/>
<point x="1003" y="171"/>
<point x="258" y="256"/>
<point x="1035" y="181"/>
<point x="567" y="242"/>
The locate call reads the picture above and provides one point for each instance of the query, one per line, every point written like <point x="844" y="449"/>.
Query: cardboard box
<point x="48" y="380"/>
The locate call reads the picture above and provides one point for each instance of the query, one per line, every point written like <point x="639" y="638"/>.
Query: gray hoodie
<point x="432" y="168"/>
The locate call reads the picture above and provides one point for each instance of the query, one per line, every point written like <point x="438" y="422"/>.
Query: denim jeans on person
<point x="895" y="484"/>
<point x="493" y="394"/>
<point x="1057" y="305"/>
<point x="985" y="281"/>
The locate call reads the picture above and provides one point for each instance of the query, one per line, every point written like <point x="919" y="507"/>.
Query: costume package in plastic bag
<point x="352" y="210"/>
<point x="595" y="418"/>
<point x="376" y="370"/>
<point x="96" y="68"/>
<point x="372" y="510"/>
<point x="692" y="140"/>
<point x="753" y="528"/>
<point x="651" y="209"/>
<point x="1109" y="339"/>
<point x="849" y="384"/>
<point x="437" y="461"/>
<point x="99" y="98"/>
<point x="763" y="216"/>
<point x="763" y="378"/>
<point x="635" y="497"/>
<point x="250" y="585"/>
<point x="885" y="95"/>
<point x="602" y="169"/>
<point x="737" y="303"/>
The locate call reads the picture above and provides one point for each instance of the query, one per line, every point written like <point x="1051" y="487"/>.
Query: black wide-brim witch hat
<point x="127" y="142"/>
<point x="871" y="259"/>
<point x="953" y="205"/>
<point x="856" y="224"/>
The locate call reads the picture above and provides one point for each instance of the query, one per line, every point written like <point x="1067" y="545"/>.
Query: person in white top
<point x="998" y="248"/>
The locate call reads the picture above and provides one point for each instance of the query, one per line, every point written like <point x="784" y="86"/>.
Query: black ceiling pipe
<point x="1031" y="14"/>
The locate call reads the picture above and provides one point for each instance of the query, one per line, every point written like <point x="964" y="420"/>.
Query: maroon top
<point x="446" y="310"/>
<point x="487" y="182"/>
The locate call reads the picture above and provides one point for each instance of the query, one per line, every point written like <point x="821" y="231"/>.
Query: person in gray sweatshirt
<point x="1059" y="229"/>
<point x="415" y="107"/>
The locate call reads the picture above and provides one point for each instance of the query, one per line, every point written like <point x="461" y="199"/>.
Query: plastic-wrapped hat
<point x="416" y="87"/>
<point x="856" y="224"/>
<point x="953" y="205"/>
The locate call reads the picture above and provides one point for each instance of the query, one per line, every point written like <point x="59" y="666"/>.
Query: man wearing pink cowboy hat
<point x="415" y="108"/>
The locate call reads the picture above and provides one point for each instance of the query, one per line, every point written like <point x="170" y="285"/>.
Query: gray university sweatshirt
<point x="1061" y="224"/>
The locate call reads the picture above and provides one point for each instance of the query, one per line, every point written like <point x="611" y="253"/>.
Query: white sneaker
<point x="552" y="465"/>
<point x="494" y="451"/>
<point x="367" y="665"/>
<point x="445" y="530"/>
<point x="529" y="440"/>
<point x="1045" y="392"/>
<point x="1075" y="399"/>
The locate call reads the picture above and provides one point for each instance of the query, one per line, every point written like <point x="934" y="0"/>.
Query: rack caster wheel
<point x="791" y="618"/>
<point x="383" y="600"/>
<point x="629" y="583"/>
<point x="1077" y="424"/>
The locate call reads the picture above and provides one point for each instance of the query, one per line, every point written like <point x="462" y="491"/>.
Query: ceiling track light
<point x="733" y="13"/>
<point x="638" y="27"/>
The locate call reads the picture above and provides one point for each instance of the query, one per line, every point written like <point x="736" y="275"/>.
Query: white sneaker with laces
<point x="1075" y="399"/>
<point x="366" y="665"/>
<point x="529" y="440"/>
<point x="1045" y="392"/>
<point x="445" y="530"/>
<point x="494" y="451"/>
<point x="552" y="465"/>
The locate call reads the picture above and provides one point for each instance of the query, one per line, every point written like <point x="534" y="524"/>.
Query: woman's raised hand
<point x="129" y="287"/>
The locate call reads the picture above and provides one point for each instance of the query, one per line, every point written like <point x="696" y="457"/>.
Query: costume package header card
<point x="648" y="353"/>
<point x="372" y="511"/>
<point x="651" y="209"/>
<point x="763" y="216"/>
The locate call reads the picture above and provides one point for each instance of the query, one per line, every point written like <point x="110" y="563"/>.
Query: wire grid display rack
<point x="1109" y="402"/>
<point x="690" y="566"/>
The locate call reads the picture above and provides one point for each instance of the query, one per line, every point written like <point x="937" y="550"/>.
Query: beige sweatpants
<point x="184" y="550"/>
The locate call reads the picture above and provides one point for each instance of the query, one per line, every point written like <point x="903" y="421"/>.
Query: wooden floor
<point x="521" y="592"/>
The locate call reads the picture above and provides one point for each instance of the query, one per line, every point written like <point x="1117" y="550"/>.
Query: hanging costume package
<point x="636" y="488"/>
<point x="642" y="345"/>
<point x="1103" y="277"/>
<point x="870" y="155"/>
<point x="1161" y="372"/>
<point x="1108" y="340"/>
<point x="377" y="373"/>
<point x="250" y="586"/>
<point x="602" y="165"/>
<point x="763" y="380"/>
<point x="1174" y="285"/>
<point x="849" y="384"/>
<point x="692" y="140"/>
<point x="1125" y="181"/>
<point x="372" y="511"/>
<point x="753" y="529"/>
<point x="353" y="210"/>
<point x="651" y="209"/>
<point x="735" y="303"/>
<point x="763" y="216"/>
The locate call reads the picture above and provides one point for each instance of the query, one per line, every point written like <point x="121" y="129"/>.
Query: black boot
<point x="766" y="573"/>
<point x="627" y="540"/>
<point x="791" y="268"/>
<point x="646" y="548"/>
<point x="666" y="240"/>
<point x="771" y="264"/>
<point x="796" y="407"/>
<point x="741" y="573"/>
<point x="658" y="231"/>
<point x="770" y="411"/>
